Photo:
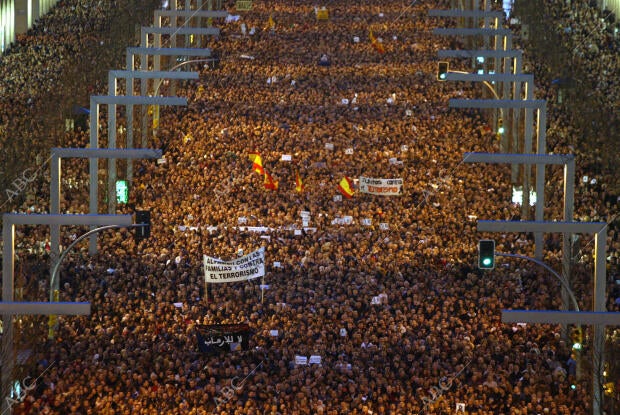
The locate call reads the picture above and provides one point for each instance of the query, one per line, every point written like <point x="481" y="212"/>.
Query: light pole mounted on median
<point x="599" y="229"/>
<point x="566" y="160"/>
<point x="9" y="221"/>
<point x="93" y="154"/>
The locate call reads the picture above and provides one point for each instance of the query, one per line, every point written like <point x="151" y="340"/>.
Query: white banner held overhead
<point x="244" y="268"/>
<point x="383" y="187"/>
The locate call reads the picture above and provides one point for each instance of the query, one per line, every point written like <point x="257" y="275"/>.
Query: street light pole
<point x="562" y="280"/>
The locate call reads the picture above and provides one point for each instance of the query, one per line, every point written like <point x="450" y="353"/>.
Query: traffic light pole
<point x="548" y="268"/>
<point x="9" y="221"/>
<point x="599" y="229"/>
<point x="95" y="102"/>
<point x="54" y="275"/>
<point x="95" y="154"/>
<point x="568" y="161"/>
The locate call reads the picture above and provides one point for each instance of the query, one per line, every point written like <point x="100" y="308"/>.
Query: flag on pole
<point x="270" y="184"/>
<point x="299" y="184"/>
<point x="375" y="43"/>
<point x="257" y="162"/>
<point x="346" y="187"/>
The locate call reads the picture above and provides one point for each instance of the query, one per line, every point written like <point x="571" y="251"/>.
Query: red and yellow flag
<point x="346" y="188"/>
<point x="375" y="43"/>
<point x="257" y="162"/>
<point x="269" y="183"/>
<point x="299" y="184"/>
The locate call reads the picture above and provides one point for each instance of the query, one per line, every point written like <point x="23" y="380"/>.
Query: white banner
<point x="383" y="187"/>
<point x="244" y="268"/>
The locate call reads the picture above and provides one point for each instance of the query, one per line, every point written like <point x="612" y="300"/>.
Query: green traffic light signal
<point x="577" y="338"/>
<point x="442" y="70"/>
<point x="500" y="126"/>
<point x="486" y="254"/>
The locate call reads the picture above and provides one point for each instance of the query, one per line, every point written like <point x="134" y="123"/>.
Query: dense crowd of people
<point x="384" y="289"/>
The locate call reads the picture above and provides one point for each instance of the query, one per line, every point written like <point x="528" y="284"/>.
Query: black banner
<point x="215" y="338"/>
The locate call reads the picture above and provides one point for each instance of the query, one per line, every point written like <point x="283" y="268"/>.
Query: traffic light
<point x="577" y="338"/>
<point x="143" y="217"/>
<point x="500" y="126"/>
<point x="442" y="70"/>
<point x="486" y="254"/>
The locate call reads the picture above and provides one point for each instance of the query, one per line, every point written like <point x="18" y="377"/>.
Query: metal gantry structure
<point x="599" y="317"/>
<point x="8" y="307"/>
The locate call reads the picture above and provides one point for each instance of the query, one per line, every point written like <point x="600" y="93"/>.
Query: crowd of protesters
<point x="385" y="289"/>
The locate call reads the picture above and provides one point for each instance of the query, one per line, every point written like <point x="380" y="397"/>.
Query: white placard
<point x="276" y="264"/>
<point x="241" y="220"/>
<point x="348" y="151"/>
<point x="367" y="221"/>
<point x="384" y="226"/>
<point x="337" y="198"/>
<point x="287" y="157"/>
<point x="297" y="232"/>
<point x="178" y="305"/>
<point x="239" y="269"/>
<point x="264" y="286"/>
<point x="346" y="220"/>
<point x="404" y="148"/>
<point x="305" y="223"/>
<point x="381" y="187"/>
<point x="301" y="360"/>
<point x="304" y="214"/>
<point x="161" y="160"/>
<point x="315" y="360"/>
<point x="273" y="333"/>
<point x="253" y="228"/>
<point x="329" y="146"/>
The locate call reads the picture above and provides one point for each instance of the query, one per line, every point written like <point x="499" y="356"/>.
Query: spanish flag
<point x="299" y="185"/>
<point x="270" y="23"/>
<point x="346" y="187"/>
<point x="375" y="43"/>
<point x="270" y="184"/>
<point x="257" y="162"/>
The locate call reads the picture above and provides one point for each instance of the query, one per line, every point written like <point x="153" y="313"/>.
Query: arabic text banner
<point x="214" y="338"/>
<point x="247" y="267"/>
<point x="382" y="187"/>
